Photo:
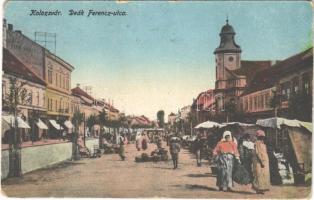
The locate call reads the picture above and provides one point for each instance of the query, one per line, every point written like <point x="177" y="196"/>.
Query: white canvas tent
<point x="208" y="125"/>
<point x="277" y="122"/>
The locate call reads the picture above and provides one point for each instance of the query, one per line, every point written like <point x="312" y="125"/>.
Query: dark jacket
<point x="174" y="148"/>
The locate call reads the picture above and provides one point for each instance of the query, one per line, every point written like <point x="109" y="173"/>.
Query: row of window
<point x="58" y="105"/>
<point x="259" y="102"/>
<point x="60" y="80"/>
<point x="33" y="97"/>
<point x="292" y="87"/>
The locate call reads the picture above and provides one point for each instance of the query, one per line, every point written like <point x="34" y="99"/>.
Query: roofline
<point x="27" y="68"/>
<point x="59" y="60"/>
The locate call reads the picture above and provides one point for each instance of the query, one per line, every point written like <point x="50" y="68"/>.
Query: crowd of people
<point x="228" y="155"/>
<point x="252" y="156"/>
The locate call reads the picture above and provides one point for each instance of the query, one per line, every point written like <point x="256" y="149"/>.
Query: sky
<point x="160" y="55"/>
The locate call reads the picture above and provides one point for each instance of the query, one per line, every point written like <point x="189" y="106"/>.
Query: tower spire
<point x="227" y="20"/>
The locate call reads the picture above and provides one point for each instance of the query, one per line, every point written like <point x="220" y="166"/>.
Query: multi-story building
<point x="58" y="79"/>
<point x="172" y="118"/>
<point x="31" y="54"/>
<point x="86" y="104"/>
<point x="203" y="106"/>
<point x="34" y="108"/>
<point x="184" y="112"/>
<point x="232" y="73"/>
<point x="285" y="78"/>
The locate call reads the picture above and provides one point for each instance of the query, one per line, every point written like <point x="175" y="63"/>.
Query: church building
<point x="232" y="73"/>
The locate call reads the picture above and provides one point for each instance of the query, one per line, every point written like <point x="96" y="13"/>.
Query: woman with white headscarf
<point x="225" y="152"/>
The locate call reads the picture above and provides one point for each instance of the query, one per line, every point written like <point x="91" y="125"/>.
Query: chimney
<point x="18" y="31"/>
<point x="78" y="85"/>
<point x="10" y="27"/>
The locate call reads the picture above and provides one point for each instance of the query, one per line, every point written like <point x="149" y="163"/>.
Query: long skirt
<point x="225" y="167"/>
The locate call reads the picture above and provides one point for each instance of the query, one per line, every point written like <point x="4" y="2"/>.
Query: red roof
<point x="249" y="68"/>
<point x="79" y="92"/>
<point x="12" y="65"/>
<point x="267" y="78"/>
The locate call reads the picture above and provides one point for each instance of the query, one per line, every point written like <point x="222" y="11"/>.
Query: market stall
<point x="292" y="139"/>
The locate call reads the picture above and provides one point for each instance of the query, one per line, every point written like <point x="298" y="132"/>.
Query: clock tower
<point x="228" y="53"/>
<point x="228" y="60"/>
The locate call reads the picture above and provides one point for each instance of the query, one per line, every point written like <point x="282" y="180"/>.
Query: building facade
<point x="31" y="54"/>
<point x="58" y="79"/>
<point x="288" y="77"/>
<point x="33" y="108"/>
<point x="172" y="118"/>
<point x="204" y="106"/>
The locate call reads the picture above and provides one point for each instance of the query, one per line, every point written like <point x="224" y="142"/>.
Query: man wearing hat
<point x="174" y="151"/>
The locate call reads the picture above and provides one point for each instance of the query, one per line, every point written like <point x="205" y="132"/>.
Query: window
<point x="37" y="98"/>
<point x="251" y="103"/>
<point x="295" y="85"/>
<point x="4" y="89"/>
<point x="60" y="81"/>
<point x="285" y="91"/>
<point x="306" y="81"/>
<point x="56" y="106"/>
<point x="246" y="104"/>
<point x="230" y="59"/>
<point x="49" y="76"/>
<point x="30" y="98"/>
<point x="57" y="79"/>
<point x="49" y="108"/>
<point x="255" y="103"/>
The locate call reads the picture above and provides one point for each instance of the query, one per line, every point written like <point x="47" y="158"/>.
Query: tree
<point x="192" y="120"/>
<point x="16" y="96"/>
<point x="300" y="107"/>
<point x="161" y="118"/>
<point x="90" y="122"/>
<point x="102" y="119"/>
<point x="77" y="120"/>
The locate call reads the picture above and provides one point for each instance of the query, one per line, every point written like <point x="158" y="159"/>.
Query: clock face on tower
<point x="230" y="61"/>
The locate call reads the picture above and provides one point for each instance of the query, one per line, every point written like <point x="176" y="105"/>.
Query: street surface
<point x="109" y="177"/>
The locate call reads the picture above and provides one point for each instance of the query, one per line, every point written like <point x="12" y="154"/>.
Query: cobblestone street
<point x="110" y="177"/>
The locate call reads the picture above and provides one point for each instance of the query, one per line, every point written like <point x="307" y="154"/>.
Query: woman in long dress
<point x="225" y="152"/>
<point x="261" y="181"/>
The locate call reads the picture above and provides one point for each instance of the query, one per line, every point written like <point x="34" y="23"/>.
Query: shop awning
<point x="68" y="124"/>
<point x="40" y="124"/>
<point x="55" y="124"/>
<point x="11" y="121"/>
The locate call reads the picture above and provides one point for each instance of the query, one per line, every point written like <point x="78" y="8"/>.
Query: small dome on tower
<point x="227" y="43"/>
<point x="227" y="28"/>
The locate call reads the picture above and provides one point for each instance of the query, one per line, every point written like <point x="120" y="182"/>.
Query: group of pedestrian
<point x="141" y="141"/>
<point x="123" y="140"/>
<point x="252" y="156"/>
